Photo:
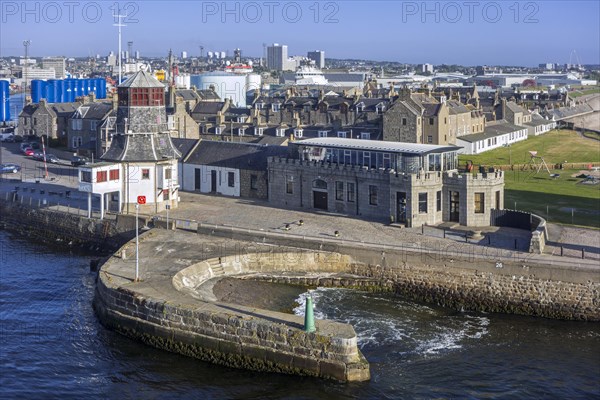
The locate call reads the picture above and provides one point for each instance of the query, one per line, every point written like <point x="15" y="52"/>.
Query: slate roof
<point x="187" y="94"/>
<point x="456" y="107"/>
<point x="208" y="107"/>
<point x="141" y="147"/>
<point x="208" y="94"/>
<point x="492" y="130"/>
<point x="243" y="156"/>
<point x="142" y="79"/>
<point x="184" y="146"/>
<point x="430" y="109"/>
<point x="95" y="111"/>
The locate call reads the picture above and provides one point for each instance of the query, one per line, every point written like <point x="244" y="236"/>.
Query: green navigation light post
<point x="309" y="318"/>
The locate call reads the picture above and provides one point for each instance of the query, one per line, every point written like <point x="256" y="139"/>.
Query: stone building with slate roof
<point x="407" y="183"/>
<point x="141" y="163"/>
<point x="229" y="168"/>
<point x="48" y="119"/>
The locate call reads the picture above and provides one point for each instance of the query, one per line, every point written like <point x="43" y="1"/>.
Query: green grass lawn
<point x="583" y="92"/>
<point x="541" y="194"/>
<point x="555" y="146"/>
<point x="554" y="198"/>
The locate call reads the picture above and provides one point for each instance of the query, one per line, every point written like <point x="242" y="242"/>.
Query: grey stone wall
<point x="304" y="174"/>
<point x="223" y="336"/>
<point x="261" y="190"/>
<point x="456" y="277"/>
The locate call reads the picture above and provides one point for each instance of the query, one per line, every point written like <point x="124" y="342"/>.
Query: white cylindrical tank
<point x="253" y="82"/>
<point x="183" y="81"/>
<point x="226" y="85"/>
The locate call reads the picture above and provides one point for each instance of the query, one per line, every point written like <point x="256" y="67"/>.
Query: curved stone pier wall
<point x="492" y="280"/>
<point x="227" y="334"/>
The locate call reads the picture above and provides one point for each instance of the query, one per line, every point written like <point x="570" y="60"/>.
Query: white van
<point x="6" y="136"/>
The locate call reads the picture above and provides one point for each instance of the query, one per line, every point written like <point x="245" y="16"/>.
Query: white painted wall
<point x="223" y="187"/>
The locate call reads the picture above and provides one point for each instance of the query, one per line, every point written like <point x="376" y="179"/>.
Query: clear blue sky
<point x="461" y="32"/>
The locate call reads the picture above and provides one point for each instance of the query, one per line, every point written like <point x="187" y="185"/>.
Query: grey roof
<point x="492" y="130"/>
<point x="456" y="107"/>
<point x="184" y="146"/>
<point x="208" y="94"/>
<point x="187" y="94"/>
<point x="247" y="156"/>
<point x="142" y="79"/>
<point x="431" y="109"/>
<point x="377" y="145"/>
<point x="64" y="109"/>
<point x="208" y="107"/>
<point x="95" y="111"/>
<point x="141" y="147"/>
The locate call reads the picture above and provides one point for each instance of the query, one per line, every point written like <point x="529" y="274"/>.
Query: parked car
<point x="78" y="160"/>
<point x="38" y="155"/>
<point x="14" y="139"/>
<point x="9" y="168"/>
<point x="24" y="145"/>
<point x="29" y="151"/>
<point x="51" y="158"/>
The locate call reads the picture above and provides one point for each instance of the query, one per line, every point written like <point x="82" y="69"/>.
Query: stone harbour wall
<point x="230" y="335"/>
<point x="457" y="278"/>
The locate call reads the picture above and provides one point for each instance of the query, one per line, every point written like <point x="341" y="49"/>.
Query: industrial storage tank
<point x="183" y="81"/>
<point x="70" y="91"/>
<point x="101" y="86"/>
<point x="79" y="87"/>
<point x="61" y="91"/>
<point x="253" y="82"/>
<point x="38" y="90"/>
<point x="50" y="91"/>
<point x="226" y="85"/>
<point x="4" y="101"/>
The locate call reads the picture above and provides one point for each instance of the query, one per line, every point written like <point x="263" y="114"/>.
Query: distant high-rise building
<point x="111" y="60"/>
<point x="318" y="57"/>
<point x="184" y="54"/>
<point x="137" y="54"/>
<point x="56" y="63"/>
<point x="277" y="56"/>
<point x="427" y="68"/>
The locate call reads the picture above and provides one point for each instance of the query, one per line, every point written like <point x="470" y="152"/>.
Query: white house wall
<point x="189" y="173"/>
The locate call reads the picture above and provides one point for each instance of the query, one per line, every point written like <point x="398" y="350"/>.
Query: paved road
<point x="259" y="215"/>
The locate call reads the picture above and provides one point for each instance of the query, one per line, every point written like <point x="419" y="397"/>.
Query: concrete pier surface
<point x="173" y="307"/>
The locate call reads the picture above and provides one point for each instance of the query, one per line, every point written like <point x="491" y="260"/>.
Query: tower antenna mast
<point x="120" y="25"/>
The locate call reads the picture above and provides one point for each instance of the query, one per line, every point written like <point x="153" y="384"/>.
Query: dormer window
<point x="342" y="134"/>
<point x="275" y="107"/>
<point x="298" y="133"/>
<point x="280" y="132"/>
<point x="258" y="131"/>
<point x="218" y="130"/>
<point x="241" y="131"/>
<point x="241" y="119"/>
<point x="365" y="135"/>
<point x="380" y="108"/>
<point x="260" y="106"/>
<point x="322" y="133"/>
<point x="360" y="107"/>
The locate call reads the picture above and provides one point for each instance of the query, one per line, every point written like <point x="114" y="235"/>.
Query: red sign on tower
<point x="141" y="199"/>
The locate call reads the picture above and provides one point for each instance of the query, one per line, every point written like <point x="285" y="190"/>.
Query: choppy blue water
<point x="51" y="345"/>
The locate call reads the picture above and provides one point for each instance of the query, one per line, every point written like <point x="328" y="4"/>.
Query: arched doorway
<point x="320" y="198"/>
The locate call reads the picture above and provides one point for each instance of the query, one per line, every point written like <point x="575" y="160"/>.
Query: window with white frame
<point x="241" y="131"/>
<point x="241" y="119"/>
<point x="93" y="125"/>
<point x="298" y="133"/>
<point x="342" y="134"/>
<point x="275" y="107"/>
<point x="258" y="131"/>
<point x="322" y="133"/>
<point x="280" y="132"/>
<point x="218" y="130"/>
<point x="365" y="135"/>
<point x="76" y="124"/>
